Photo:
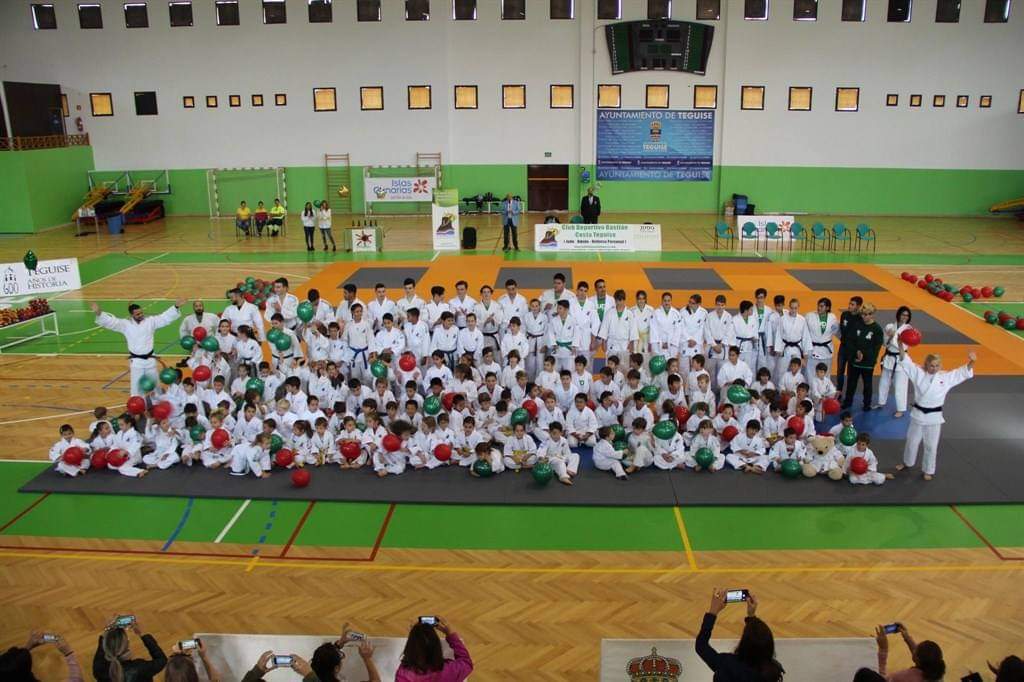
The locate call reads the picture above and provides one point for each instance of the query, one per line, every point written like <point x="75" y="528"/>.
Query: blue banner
<point x="654" y="144"/>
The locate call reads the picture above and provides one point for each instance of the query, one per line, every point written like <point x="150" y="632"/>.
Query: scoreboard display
<point x="662" y="44"/>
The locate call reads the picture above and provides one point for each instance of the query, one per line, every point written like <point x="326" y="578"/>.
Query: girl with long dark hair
<point x="754" y="657"/>
<point x="309" y="225"/>
<point x="893" y="375"/>
<point x="423" y="659"/>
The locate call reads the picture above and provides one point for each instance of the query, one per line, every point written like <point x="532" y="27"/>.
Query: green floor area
<point x="995" y="305"/>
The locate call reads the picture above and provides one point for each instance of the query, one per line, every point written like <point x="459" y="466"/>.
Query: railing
<point x="17" y="144"/>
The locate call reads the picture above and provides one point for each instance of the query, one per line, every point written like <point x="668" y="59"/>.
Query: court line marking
<point x="49" y="416"/>
<point x="685" y="537"/>
<point x="382" y="532"/>
<point x="982" y="537"/>
<point x="181" y="524"/>
<point x="23" y="512"/>
<point x="231" y="523"/>
<point x="297" y="529"/>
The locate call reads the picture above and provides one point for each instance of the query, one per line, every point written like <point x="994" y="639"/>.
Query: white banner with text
<point x="604" y="237"/>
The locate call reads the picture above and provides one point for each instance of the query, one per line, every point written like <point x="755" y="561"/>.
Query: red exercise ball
<point x="162" y="411"/>
<point x="407" y="362"/>
<point x="921" y="284"/>
<point x="830" y="406"/>
<point x="350" y="450"/>
<point x="202" y="373"/>
<point x="391" y="442"/>
<point x="905" y="275"/>
<point x="447" y="400"/>
<point x="928" y="278"/>
<point x="531" y="408"/>
<point x="1004" y="316"/>
<point x="910" y="337"/>
<point x="859" y="466"/>
<point x="219" y="438"/>
<point x="300" y="477"/>
<point x="136" y="405"/>
<point x="99" y="459"/>
<point x="73" y="456"/>
<point x="987" y="292"/>
<point x="116" y="458"/>
<point x="913" y="279"/>
<point x="284" y="457"/>
<point x="682" y="415"/>
<point x="1020" y="323"/>
<point x="797" y="424"/>
<point x="591" y="404"/>
<point x="443" y="452"/>
<point x="729" y="432"/>
<point x="199" y="333"/>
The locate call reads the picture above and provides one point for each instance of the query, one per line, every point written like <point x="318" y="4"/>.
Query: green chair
<point x="865" y="235"/>
<point x="841" y="234"/>
<point x="819" y="235"/>
<point x="724" y="233"/>
<point x="797" y="233"/>
<point x="749" y="232"/>
<point x="772" y="233"/>
<point x="576" y="219"/>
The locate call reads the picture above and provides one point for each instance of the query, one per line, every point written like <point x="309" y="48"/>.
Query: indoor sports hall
<point x="306" y="156"/>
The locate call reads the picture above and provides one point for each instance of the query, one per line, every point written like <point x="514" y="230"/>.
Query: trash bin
<point x="115" y="224"/>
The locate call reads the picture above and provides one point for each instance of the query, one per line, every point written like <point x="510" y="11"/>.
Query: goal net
<point x="228" y="187"/>
<point x="19" y="333"/>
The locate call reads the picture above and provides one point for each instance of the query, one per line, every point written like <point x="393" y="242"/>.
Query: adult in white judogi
<point x="283" y="302"/>
<point x="822" y="328"/>
<point x="461" y="304"/>
<point x="535" y="325"/>
<point x="793" y="340"/>
<point x="562" y="337"/>
<point x="893" y="375"/>
<point x="744" y="327"/>
<point x="550" y="298"/>
<point x="380" y="306"/>
<point x="513" y="304"/>
<point x="618" y="328"/>
<point x="138" y="331"/>
<point x="489" y="317"/>
<point x="692" y="319"/>
<point x="240" y="312"/>
<point x="198" y="318"/>
<point x="931" y="385"/>
<point x="585" y="312"/>
<point x="349" y="299"/>
<point x="718" y="336"/>
<point x="666" y="325"/>
<point x="764" y="315"/>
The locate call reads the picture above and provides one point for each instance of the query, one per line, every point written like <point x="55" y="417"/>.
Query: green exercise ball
<point x="482" y="468"/>
<point x="273" y="334"/>
<point x="542" y="471"/>
<point x="705" y="457"/>
<point x="998" y="292"/>
<point x="255" y="384"/>
<point x="848" y="436"/>
<point x="738" y="394"/>
<point x="188" y="342"/>
<point x="665" y="430"/>
<point x="168" y="375"/>
<point x="146" y="383"/>
<point x="520" y="416"/>
<point x="210" y="344"/>
<point x="305" y="311"/>
<point x="378" y="369"/>
<point x="276" y="443"/>
<point x="791" y="468"/>
<point x="650" y="393"/>
<point x="197" y="433"/>
<point x="619" y="432"/>
<point x="283" y="342"/>
<point x="657" y="364"/>
<point x="432" y="405"/>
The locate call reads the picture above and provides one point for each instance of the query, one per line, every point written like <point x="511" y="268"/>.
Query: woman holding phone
<point x="181" y="666"/>
<point x="754" y="657"/>
<point x="271" y="661"/>
<point x="113" y="661"/>
<point x="16" y="662"/>
<point x="424" y="661"/>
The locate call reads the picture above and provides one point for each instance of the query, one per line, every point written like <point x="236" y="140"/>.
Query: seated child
<point x="556" y="450"/>
<point x="520" y="449"/>
<point x="68" y="440"/>
<point x="749" y="450"/>
<point x="872" y="475"/>
<point x="252" y="457"/>
<point x="705" y="438"/>
<point x="606" y="457"/>
<point x="581" y="423"/>
<point x="485" y="451"/>
<point x="641" y="446"/>
<point x="790" y="447"/>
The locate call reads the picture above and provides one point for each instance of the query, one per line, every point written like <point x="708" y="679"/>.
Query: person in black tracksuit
<point x="112" y="663"/>
<point x="865" y="343"/>
<point x="848" y="323"/>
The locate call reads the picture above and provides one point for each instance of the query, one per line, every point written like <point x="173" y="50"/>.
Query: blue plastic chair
<point x="772" y="233"/>
<point x="841" y="234"/>
<point x="797" y="233"/>
<point x="819" y="235"/>
<point x="865" y="235"/>
<point x="724" y="233"/>
<point x="750" y="232"/>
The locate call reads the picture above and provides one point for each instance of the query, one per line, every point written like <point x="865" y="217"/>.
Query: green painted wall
<point x="15" y="208"/>
<point x="43" y="187"/>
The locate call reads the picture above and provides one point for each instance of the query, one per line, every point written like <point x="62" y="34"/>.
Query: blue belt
<point x="361" y="351"/>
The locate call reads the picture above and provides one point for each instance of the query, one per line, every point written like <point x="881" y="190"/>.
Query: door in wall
<point x="547" y="187"/>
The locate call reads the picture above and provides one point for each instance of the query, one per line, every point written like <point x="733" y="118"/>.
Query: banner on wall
<point x="47" y="277"/>
<point x="784" y="222"/>
<point x="445" y="219"/>
<point x="399" y="189"/>
<point x="609" y="237"/>
<point x="655" y="144"/>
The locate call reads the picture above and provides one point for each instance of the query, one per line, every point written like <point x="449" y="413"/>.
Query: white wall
<point x="921" y="57"/>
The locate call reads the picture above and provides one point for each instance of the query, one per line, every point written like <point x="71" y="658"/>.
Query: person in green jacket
<point x="866" y="341"/>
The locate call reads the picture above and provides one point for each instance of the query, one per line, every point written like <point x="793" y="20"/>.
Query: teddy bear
<point x="824" y="458"/>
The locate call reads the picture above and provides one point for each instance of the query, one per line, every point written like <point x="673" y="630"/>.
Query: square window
<point x="320" y="12"/>
<point x="325" y="99"/>
<point x="609" y="9"/>
<point x="181" y="13"/>
<point x="234" y="100"/>
<point x="892" y="100"/>
<point x="656" y="97"/>
<point x="1020" y="102"/>
<point x="417" y="10"/>
<point x="227" y="12"/>
<point x="563" y="9"/>
<point x="465" y="97"/>
<point x="371" y="98"/>
<point x="899" y="11"/>
<point x="709" y="10"/>
<point x="101" y="103"/>
<point x="985" y="101"/>
<point x="847" y="99"/>
<point x="256" y="100"/>
<point x="64" y="109"/>
<point x="145" y="103"/>
<point x="915" y="100"/>
<point x="513" y="10"/>
<point x="513" y="96"/>
<point x="188" y="102"/>
<point x="274" y="12"/>
<point x="997" y="11"/>
<point x="755" y="10"/>
<point x="136" y="15"/>
<point x="43" y="17"/>
<point x="947" y="12"/>
<point x="367" y="10"/>
<point x="419" y="97"/>
<point x="800" y="98"/>
<point x="90" y="16"/>
<point x="659" y="9"/>
<point x="805" y="10"/>
<point x="938" y="101"/>
<point x="463" y="10"/>
<point x="561" y="97"/>
<point x="752" y="97"/>
<point x="211" y="101"/>
<point x="705" y="96"/>
<point x="609" y="96"/>
<point x="280" y="100"/>
<point x="962" y="101"/>
<point x="854" y="10"/>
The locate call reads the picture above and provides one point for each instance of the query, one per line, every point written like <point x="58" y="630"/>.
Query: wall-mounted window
<point x="181" y="13"/>
<point x="609" y="96"/>
<point x="709" y="10"/>
<point x="43" y="17"/>
<point x="211" y="101"/>
<point x="101" y="104"/>
<point x="1020" y="102"/>
<point x="705" y="96"/>
<point x="847" y="99"/>
<point x="65" y="110"/>
<point x="563" y="9"/>
<point x="417" y="10"/>
<point x="656" y="96"/>
<point x="609" y="9"/>
<point x="466" y="97"/>
<point x="985" y="102"/>
<point x="320" y="11"/>
<point x="136" y="15"/>
<point x="755" y="10"/>
<point x="947" y="12"/>
<point x="275" y="12"/>
<point x="371" y="98"/>
<point x="188" y="102"/>
<point x="227" y="12"/>
<point x="234" y="101"/>
<point x="854" y="10"/>
<point x="367" y="10"/>
<point x="659" y="9"/>
<point x="90" y="16"/>
<point x="800" y="98"/>
<point x="561" y="97"/>
<point x="752" y="97"/>
<point x="145" y="103"/>
<point x="938" y="101"/>
<point x="463" y="10"/>
<point x="513" y="96"/>
<point x="513" y="10"/>
<point x="256" y="100"/>
<point x="805" y="10"/>
<point x="915" y="100"/>
<point x="892" y="100"/>
<point x="325" y="99"/>
<point x="280" y="100"/>
<point x="997" y="11"/>
<point x="962" y="101"/>
<point x="899" y="11"/>
<point x="418" y="97"/>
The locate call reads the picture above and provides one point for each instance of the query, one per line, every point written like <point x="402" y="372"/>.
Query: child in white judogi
<point x="705" y="438"/>
<point x="322" y="445"/>
<point x="733" y="370"/>
<point x="520" y="450"/>
<point x="719" y="335"/>
<point x="669" y="453"/>
<point x="704" y="394"/>
<point x="421" y="446"/>
<point x="298" y="443"/>
<point x="535" y="326"/>
<point x="641" y="445"/>
<point x="608" y="411"/>
<point x="464" y="451"/>
<point x="637" y="409"/>
<point x="514" y="340"/>
<point x="698" y="414"/>
<point x="337" y="349"/>
<point x="725" y="418"/>
<point x="893" y="376"/>
<point x="394" y="463"/>
<point x="68" y="440"/>
<point x="872" y="476"/>
<point x="436" y="308"/>
<point x="749" y="450"/>
<point x="745" y="326"/>
<point x="556" y="450"/>
<point x="845" y="420"/>
<point x="821" y="388"/>
<point x="774" y="424"/>
<point x="318" y="345"/>
<point x="562" y="336"/>
<point x="252" y="457"/>
<point x="438" y="370"/>
<point x="789" y="447"/>
<point x="471" y="339"/>
<point x="513" y="366"/>
<point x="547" y="413"/>
<point x="565" y="392"/>
<point x="763" y="381"/>
<point x="358" y="335"/>
<point x="213" y="457"/>
<point x="581" y="423"/>
<point x="792" y="378"/>
<point x="129" y="439"/>
<point x="350" y="433"/>
<point x="445" y="339"/>
<point x="417" y="336"/>
<point x="102" y="436"/>
<point x="489" y="454"/>
<point x="606" y="457"/>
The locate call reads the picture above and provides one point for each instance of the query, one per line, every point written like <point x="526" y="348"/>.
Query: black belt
<point x="741" y="339"/>
<point x="493" y="335"/>
<point x="927" y="410"/>
<point x="891" y="355"/>
<point x="790" y="344"/>
<point x="142" y="356"/>
<point x="827" y="344"/>
<point x="534" y="336"/>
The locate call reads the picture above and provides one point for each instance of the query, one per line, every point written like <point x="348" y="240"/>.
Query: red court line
<point x="984" y="539"/>
<point x="298" y="528"/>
<point x="382" y="533"/>
<point x="24" y="511"/>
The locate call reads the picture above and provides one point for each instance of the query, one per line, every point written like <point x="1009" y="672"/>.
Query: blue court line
<point x="267" y="527"/>
<point x="181" y="524"/>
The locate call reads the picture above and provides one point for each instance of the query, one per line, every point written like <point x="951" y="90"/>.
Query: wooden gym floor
<point x="533" y="590"/>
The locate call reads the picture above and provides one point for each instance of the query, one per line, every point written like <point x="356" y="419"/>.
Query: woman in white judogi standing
<point x="793" y="339"/>
<point x="822" y="327"/>
<point x="138" y="331"/>
<point x="643" y="314"/>
<point x="618" y="328"/>
<point x="931" y="385"/>
<point x="893" y="375"/>
<point x="692" y="318"/>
